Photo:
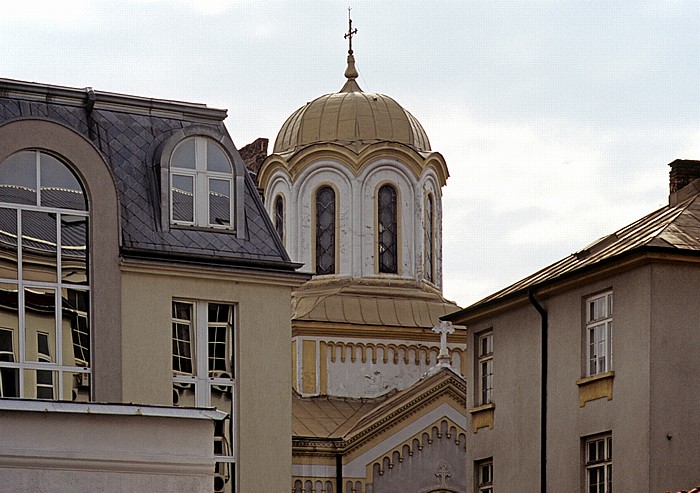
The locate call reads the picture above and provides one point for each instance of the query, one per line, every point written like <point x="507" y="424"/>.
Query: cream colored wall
<point x="674" y="436"/>
<point x="62" y="452"/>
<point x="262" y="356"/>
<point x="514" y="441"/>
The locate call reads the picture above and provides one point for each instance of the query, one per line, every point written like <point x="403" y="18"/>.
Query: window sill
<point x="595" y="387"/>
<point x="482" y="416"/>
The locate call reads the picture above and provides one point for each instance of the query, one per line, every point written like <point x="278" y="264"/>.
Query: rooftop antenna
<point x="350" y="72"/>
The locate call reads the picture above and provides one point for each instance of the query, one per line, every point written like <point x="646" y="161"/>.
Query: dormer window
<point x="201" y="184"/>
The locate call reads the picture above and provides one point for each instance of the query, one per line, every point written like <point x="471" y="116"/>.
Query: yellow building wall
<point x="263" y="359"/>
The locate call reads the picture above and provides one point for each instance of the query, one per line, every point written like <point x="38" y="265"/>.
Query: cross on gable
<point x="443" y="329"/>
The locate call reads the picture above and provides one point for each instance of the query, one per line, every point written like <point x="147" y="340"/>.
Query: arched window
<point x="387" y="230"/>
<point x="44" y="280"/>
<point x="201" y="184"/>
<point x="430" y="239"/>
<point x="279" y="217"/>
<point x="325" y="230"/>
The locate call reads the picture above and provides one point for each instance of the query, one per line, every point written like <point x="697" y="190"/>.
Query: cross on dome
<point x="350" y="72"/>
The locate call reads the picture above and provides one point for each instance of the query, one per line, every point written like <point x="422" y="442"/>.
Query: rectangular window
<point x="484" y="476"/>
<point x="598" y="463"/>
<point x="599" y="333"/>
<point x="203" y="342"/>
<point x="485" y="367"/>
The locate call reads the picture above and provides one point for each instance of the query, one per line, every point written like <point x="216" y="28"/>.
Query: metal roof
<point x="672" y="228"/>
<point x="124" y="128"/>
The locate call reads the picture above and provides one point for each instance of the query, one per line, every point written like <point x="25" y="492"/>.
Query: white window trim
<point x="22" y="364"/>
<point x="201" y="177"/>
<point x="485" y="357"/>
<point x="203" y="383"/>
<point x="602" y="464"/>
<point x="601" y="329"/>
<point x="484" y="486"/>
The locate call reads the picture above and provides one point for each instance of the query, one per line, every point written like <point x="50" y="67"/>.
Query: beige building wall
<point x="68" y="447"/>
<point x="674" y="431"/>
<point x="262" y="355"/>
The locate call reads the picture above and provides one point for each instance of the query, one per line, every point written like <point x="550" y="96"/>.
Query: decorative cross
<point x="348" y="35"/>
<point x="443" y="473"/>
<point x="443" y="329"/>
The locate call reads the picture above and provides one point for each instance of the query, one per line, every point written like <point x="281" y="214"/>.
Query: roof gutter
<point x="543" y="390"/>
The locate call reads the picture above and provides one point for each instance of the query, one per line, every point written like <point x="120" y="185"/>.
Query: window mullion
<point x="203" y="394"/>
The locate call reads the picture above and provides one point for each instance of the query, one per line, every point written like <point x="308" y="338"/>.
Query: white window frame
<point x="600" y="465"/>
<point x="59" y="363"/>
<point x="484" y="476"/>
<point x="201" y="379"/>
<point x="485" y="367"/>
<point x="201" y="178"/>
<point x="599" y="334"/>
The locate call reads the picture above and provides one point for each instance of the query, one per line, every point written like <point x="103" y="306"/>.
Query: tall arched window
<point x="387" y="230"/>
<point x="430" y="239"/>
<point x="279" y="217"/>
<point x="201" y="184"/>
<point x="325" y="230"/>
<point x="44" y="280"/>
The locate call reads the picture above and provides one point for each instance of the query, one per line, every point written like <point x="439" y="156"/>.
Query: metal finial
<point x="348" y="35"/>
<point x="350" y="72"/>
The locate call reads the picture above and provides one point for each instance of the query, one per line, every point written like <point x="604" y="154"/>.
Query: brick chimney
<point x="683" y="173"/>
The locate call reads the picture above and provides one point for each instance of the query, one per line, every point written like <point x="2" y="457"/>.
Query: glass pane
<point x="325" y="231"/>
<point x="183" y="157"/>
<point x="279" y="217"/>
<point x="9" y="382"/>
<point x="74" y="252"/>
<point x="76" y="327"/>
<point x="219" y="202"/>
<point x="76" y="387"/>
<point x="182" y="338"/>
<point x="39" y="323"/>
<point x="216" y="158"/>
<point x="386" y="237"/>
<point x="9" y="324"/>
<point x="39" y="246"/>
<point x="183" y="198"/>
<point x="429" y="242"/>
<point x="59" y="186"/>
<point x="40" y="384"/>
<point x="18" y="178"/>
<point x="8" y="243"/>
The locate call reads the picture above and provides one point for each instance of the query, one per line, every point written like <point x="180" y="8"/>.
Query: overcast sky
<point x="557" y="119"/>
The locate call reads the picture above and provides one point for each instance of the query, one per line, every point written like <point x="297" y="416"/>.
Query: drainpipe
<point x="339" y="472"/>
<point x="543" y="393"/>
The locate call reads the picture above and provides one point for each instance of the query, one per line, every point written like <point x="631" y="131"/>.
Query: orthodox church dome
<point x="351" y="118"/>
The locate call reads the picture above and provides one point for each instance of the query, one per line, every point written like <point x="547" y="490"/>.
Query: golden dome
<point x="351" y="118"/>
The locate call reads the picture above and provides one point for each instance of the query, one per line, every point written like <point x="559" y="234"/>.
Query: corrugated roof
<point x="348" y="302"/>
<point x="673" y="227"/>
<point x="328" y="417"/>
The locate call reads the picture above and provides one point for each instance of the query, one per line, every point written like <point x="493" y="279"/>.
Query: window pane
<point x="429" y="240"/>
<point x="18" y="181"/>
<point x="39" y="246"/>
<point x="220" y="341"/>
<point x="183" y="198"/>
<point x="182" y="338"/>
<point x="219" y="202"/>
<point x="40" y="384"/>
<point x="76" y="317"/>
<point x="279" y="217"/>
<point x="183" y="157"/>
<point x="9" y="382"/>
<point x="216" y="159"/>
<point x="39" y="323"/>
<point x="74" y="252"/>
<point x="325" y="231"/>
<point x="76" y="387"/>
<point x="225" y="477"/>
<point x="387" y="234"/>
<point x="9" y="321"/>
<point x="8" y="243"/>
<point x="59" y="186"/>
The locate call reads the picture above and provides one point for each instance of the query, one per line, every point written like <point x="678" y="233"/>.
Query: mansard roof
<point x="128" y="130"/>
